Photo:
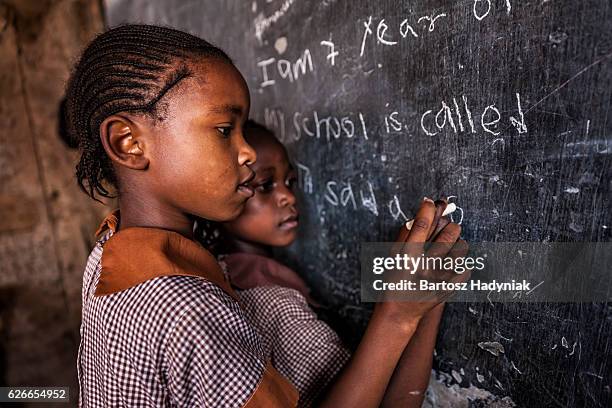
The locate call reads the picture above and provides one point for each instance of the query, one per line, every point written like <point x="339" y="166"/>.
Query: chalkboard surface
<point x="503" y="104"/>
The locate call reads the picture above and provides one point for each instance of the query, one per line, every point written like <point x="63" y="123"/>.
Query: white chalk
<point x="450" y="208"/>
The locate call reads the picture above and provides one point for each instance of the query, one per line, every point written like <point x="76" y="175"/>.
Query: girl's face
<point x="271" y="216"/>
<point x="201" y="159"/>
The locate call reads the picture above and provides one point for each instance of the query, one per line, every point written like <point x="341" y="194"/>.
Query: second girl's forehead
<point x="272" y="157"/>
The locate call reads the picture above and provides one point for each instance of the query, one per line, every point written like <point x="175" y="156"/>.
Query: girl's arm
<point x="365" y="377"/>
<point x="364" y="380"/>
<point x="411" y="377"/>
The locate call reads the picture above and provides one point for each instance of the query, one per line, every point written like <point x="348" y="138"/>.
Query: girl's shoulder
<point x="135" y="255"/>
<point x="248" y="271"/>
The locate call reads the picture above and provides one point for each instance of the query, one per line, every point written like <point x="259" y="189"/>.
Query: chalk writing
<point x="286" y="69"/>
<point x="274" y="119"/>
<point x="331" y="56"/>
<point x="384" y="34"/>
<point x="432" y="20"/>
<point x="343" y="195"/>
<point x="432" y="123"/>
<point x="392" y="122"/>
<point x="368" y="31"/>
<point x="346" y="195"/>
<point x="315" y="125"/>
<point x="368" y="200"/>
<point x="519" y="124"/>
<point x="395" y="210"/>
<point x="304" y="178"/>
<point x="262" y="23"/>
<point x="328" y="127"/>
<point x="482" y="8"/>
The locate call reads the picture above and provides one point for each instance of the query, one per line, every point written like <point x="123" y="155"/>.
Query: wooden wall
<point x="46" y="222"/>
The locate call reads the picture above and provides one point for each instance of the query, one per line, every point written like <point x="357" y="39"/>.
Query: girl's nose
<point x="246" y="153"/>
<point x="286" y="196"/>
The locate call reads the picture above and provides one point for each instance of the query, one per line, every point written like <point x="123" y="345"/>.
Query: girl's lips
<point x="246" y="190"/>
<point x="289" y="224"/>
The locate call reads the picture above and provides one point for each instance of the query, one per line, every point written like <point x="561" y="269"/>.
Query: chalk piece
<point x="450" y="208"/>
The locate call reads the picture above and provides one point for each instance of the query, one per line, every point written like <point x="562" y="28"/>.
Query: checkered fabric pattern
<point x="173" y="341"/>
<point x="302" y="348"/>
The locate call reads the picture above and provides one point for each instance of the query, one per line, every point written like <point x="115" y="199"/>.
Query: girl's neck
<point x="238" y="245"/>
<point x="137" y="212"/>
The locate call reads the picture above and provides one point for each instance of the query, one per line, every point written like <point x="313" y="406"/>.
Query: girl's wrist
<point x="397" y="320"/>
<point x="435" y="311"/>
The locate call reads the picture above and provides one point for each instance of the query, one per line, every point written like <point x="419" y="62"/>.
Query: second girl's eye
<point x="290" y="183"/>
<point x="225" y="130"/>
<point x="266" y="186"/>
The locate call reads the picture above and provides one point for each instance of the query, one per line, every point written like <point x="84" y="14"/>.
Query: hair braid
<point x="126" y="69"/>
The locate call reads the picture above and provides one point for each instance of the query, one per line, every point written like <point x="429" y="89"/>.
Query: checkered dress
<point x="172" y="341"/>
<point x="302" y="348"/>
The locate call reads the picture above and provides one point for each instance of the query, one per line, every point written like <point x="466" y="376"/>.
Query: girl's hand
<point x="428" y="227"/>
<point x="393" y="325"/>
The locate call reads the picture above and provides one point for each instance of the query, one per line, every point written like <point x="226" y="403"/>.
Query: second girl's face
<point x="271" y="216"/>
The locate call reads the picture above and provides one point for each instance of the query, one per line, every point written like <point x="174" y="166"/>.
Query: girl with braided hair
<point x="158" y="116"/>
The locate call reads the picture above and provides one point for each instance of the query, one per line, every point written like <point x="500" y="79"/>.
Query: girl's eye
<point x="266" y="186"/>
<point x="290" y="183"/>
<point x="225" y="131"/>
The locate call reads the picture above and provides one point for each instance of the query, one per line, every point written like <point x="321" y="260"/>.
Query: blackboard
<point x="503" y="104"/>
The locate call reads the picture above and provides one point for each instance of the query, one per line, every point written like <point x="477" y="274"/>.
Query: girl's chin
<point x="240" y="204"/>
<point x="284" y="238"/>
<point x="232" y="208"/>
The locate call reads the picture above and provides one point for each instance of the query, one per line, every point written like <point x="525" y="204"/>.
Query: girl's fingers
<point x="459" y="250"/>
<point x="443" y="222"/>
<point x="420" y="228"/>
<point x="440" y="207"/>
<point x="422" y="222"/>
<point x="398" y="246"/>
<point x="445" y="240"/>
<point x="403" y="234"/>
<point x="449" y="234"/>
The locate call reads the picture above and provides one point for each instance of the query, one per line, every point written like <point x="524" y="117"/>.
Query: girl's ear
<point x="123" y="142"/>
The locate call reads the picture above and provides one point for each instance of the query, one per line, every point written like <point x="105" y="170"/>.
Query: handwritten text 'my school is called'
<point x="457" y="116"/>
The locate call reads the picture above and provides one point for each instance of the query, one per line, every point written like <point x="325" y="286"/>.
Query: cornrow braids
<point x="126" y="69"/>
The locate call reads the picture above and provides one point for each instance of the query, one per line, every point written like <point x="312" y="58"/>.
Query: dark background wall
<point x="46" y="223"/>
<point x="504" y="104"/>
